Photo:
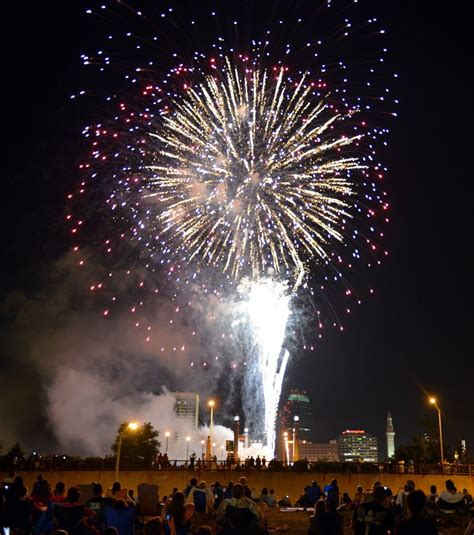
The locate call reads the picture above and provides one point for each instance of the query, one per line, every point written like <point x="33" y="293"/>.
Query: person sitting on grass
<point x="416" y="524"/>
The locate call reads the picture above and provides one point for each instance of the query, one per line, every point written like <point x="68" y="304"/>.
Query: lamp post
<point x="434" y="402"/>
<point x="202" y="447"/>
<point x="187" y="448"/>
<point x="167" y="435"/>
<point x="132" y="426"/>
<point x="296" y="445"/>
<point x="211" y="404"/>
<point x="285" y="440"/>
<point x="236" y="436"/>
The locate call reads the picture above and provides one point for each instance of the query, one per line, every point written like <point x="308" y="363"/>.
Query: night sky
<point x="415" y="333"/>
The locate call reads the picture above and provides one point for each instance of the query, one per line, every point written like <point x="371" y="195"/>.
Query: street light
<point x="167" y="435"/>
<point x="187" y="448"/>
<point x="434" y="402"/>
<point x="132" y="426"/>
<point x="236" y="436"/>
<point x="202" y="447"/>
<point x="296" y="446"/>
<point x="211" y="404"/>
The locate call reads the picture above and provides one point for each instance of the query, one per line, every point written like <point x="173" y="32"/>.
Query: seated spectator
<point x="271" y="500"/>
<point x="203" y="530"/>
<point x="117" y="493"/>
<point x="358" y="496"/>
<point x="263" y="495"/>
<point x="218" y="492"/>
<point x="228" y="490"/>
<point x="154" y="526"/>
<point x="346" y="503"/>
<point x="284" y="502"/>
<point x="324" y="521"/>
<point x="416" y="524"/>
<point x="19" y="510"/>
<point x="243" y="482"/>
<point x="450" y="500"/>
<point x="59" y="494"/>
<point x="192" y="483"/>
<point x="178" y="514"/>
<point x="467" y="498"/>
<point x="331" y="492"/>
<point x="70" y="514"/>
<point x="432" y="501"/>
<point x="401" y="500"/>
<point x="238" y="501"/>
<point x="202" y="498"/>
<point x="97" y="505"/>
<point x="313" y="494"/>
<point x="120" y="516"/>
<point x="373" y="518"/>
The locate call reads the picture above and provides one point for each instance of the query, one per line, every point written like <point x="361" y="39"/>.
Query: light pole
<point x="236" y="437"/>
<point x="296" y="445"/>
<point x="167" y="435"/>
<point x="213" y="448"/>
<point x="202" y="447"/>
<point x="132" y="426"/>
<point x="285" y="441"/>
<point x="211" y="404"/>
<point x="187" y="448"/>
<point x="434" y="402"/>
<point x="222" y="453"/>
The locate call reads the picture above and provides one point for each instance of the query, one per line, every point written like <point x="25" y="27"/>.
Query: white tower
<point x="390" y="434"/>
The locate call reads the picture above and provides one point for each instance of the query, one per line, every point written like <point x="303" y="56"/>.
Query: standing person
<point x="416" y="524"/>
<point x="373" y="518"/>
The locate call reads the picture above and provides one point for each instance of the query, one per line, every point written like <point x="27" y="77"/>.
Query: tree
<point x="138" y="447"/>
<point x="15" y="453"/>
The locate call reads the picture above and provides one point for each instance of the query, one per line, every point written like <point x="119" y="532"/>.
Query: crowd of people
<point x="230" y="509"/>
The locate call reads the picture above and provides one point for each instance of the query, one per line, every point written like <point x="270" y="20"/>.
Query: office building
<point x="187" y="406"/>
<point x="357" y="445"/>
<point x="319" y="451"/>
<point x="298" y="404"/>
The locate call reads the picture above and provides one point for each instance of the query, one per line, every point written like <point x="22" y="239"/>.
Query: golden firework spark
<point x="252" y="172"/>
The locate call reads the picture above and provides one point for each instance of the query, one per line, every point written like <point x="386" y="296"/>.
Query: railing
<point x="59" y="463"/>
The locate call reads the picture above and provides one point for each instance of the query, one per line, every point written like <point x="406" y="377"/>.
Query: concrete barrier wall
<point x="284" y="483"/>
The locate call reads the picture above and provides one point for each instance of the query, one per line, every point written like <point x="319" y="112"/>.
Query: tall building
<point x="357" y="445"/>
<point x="319" y="451"/>
<point x="390" y="434"/>
<point x="298" y="404"/>
<point x="187" y="406"/>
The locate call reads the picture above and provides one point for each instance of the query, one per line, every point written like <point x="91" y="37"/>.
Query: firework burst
<point x="252" y="172"/>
